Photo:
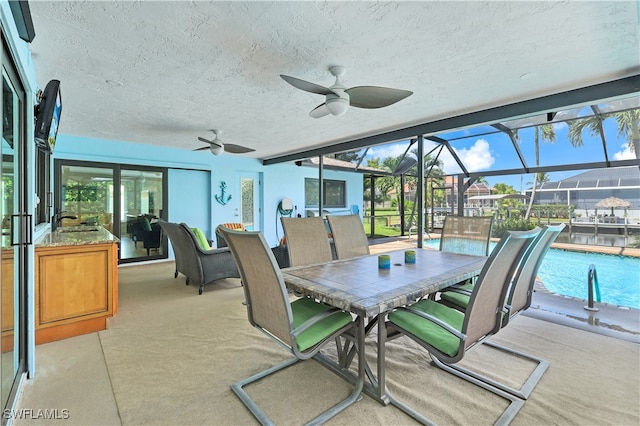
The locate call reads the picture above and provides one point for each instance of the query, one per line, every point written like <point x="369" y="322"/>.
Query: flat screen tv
<point x="48" y="116"/>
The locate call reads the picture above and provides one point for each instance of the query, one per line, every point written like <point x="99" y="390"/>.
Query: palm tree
<point x="542" y="133"/>
<point x="628" y="127"/>
<point x="538" y="178"/>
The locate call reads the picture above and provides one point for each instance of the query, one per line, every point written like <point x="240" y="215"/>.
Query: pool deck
<point x="611" y="320"/>
<point x="618" y="251"/>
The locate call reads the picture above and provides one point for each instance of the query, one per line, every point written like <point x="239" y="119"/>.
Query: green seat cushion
<point x="305" y="308"/>
<point x="201" y="238"/>
<point x="458" y="299"/>
<point x="146" y="224"/>
<point x="454" y="298"/>
<point x="428" y="331"/>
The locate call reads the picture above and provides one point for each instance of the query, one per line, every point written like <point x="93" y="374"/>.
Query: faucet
<point x="58" y="216"/>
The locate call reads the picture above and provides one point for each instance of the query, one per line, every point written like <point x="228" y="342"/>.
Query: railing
<point x="592" y="283"/>
<point x="392" y="224"/>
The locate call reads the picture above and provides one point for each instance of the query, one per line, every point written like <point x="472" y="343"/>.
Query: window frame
<point x="329" y="186"/>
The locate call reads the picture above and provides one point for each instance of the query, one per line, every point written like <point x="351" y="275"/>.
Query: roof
<point x="617" y="177"/>
<point x="499" y="197"/>
<point x="336" y="164"/>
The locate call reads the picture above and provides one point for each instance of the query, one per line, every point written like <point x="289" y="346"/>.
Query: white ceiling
<point x="163" y="73"/>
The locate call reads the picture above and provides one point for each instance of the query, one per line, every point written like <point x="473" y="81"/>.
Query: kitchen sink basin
<point x="78" y="229"/>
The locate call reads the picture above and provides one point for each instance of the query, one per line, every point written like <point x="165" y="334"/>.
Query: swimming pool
<point x="566" y="272"/>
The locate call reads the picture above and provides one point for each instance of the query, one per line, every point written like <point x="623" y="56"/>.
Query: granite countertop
<point x="76" y="236"/>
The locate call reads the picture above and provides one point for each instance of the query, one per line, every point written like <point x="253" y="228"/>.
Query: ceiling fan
<point x="217" y="147"/>
<point x="338" y="97"/>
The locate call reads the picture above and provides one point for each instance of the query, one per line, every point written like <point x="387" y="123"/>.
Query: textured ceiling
<point x="163" y="73"/>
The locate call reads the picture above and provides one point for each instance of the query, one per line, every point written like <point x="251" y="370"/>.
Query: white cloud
<point x="477" y="157"/>
<point x="625" y="154"/>
<point x="385" y="151"/>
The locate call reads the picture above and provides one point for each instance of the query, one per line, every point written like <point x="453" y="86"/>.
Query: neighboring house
<point x="475" y="190"/>
<point x="584" y="190"/>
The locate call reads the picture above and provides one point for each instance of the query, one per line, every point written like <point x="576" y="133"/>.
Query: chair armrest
<point x="213" y="251"/>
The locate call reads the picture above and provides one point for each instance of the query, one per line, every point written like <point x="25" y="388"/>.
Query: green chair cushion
<point x="458" y="299"/>
<point x="146" y="224"/>
<point x="201" y="238"/>
<point x="305" y="308"/>
<point x="428" y="331"/>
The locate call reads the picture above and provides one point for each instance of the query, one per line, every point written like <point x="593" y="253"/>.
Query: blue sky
<point x="496" y="152"/>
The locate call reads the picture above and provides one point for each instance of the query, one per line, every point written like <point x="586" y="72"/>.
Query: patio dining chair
<point x="303" y="326"/>
<point x="348" y="236"/>
<point x="307" y="240"/>
<point x="448" y="334"/>
<point x="518" y="300"/>
<point x="466" y="234"/>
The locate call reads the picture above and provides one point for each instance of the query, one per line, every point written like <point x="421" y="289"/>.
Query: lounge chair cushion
<point x="305" y="308"/>
<point x="201" y="238"/>
<point x="146" y="224"/>
<point x="428" y="331"/>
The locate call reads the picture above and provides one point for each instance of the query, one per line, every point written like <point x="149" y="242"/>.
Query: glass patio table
<point x="357" y="285"/>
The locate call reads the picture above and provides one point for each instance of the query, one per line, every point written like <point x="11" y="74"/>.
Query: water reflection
<point x="609" y="240"/>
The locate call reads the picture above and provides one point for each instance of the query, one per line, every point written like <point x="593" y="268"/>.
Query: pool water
<point x="566" y="272"/>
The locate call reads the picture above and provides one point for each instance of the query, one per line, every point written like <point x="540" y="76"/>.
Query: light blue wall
<point x="278" y="181"/>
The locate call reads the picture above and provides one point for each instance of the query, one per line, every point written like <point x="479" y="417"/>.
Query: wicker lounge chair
<point x="220" y="241"/>
<point x="447" y="334"/>
<point x="199" y="265"/>
<point x="348" y="236"/>
<point x="303" y="326"/>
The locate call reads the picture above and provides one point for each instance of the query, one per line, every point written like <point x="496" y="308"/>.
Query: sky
<point x="483" y="151"/>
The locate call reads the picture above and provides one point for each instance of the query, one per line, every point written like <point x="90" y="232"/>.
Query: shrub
<point x="512" y="224"/>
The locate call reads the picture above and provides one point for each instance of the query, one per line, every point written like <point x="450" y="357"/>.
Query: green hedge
<point x="511" y="225"/>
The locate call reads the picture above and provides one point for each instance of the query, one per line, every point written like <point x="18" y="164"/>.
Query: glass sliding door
<point x="126" y="200"/>
<point x="87" y="196"/>
<point x="16" y="229"/>
<point x="142" y="199"/>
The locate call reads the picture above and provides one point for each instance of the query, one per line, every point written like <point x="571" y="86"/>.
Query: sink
<point x="78" y="229"/>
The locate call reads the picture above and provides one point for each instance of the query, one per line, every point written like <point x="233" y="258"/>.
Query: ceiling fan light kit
<point x="216" y="149"/>
<point x="337" y="106"/>
<point x="338" y="98"/>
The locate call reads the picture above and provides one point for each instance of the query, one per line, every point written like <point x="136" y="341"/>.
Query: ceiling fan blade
<point x="307" y="86"/>
<point x="375" y="96"/>
<point x="237" y="149"/>
<point x="320" y="111"/>
<point x="211" y="143"/>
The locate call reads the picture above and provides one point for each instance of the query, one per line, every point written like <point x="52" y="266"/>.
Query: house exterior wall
<point x="277" y="181"/>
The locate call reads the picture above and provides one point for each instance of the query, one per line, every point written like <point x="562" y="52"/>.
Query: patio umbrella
<point x="613" y="202"/>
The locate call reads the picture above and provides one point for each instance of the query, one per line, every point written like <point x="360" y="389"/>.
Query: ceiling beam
<point x="585" y="95"/>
